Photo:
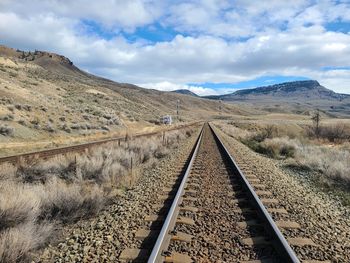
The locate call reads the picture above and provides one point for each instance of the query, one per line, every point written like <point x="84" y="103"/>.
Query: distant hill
<point x="44" y="96"/>
<point x="309" y="89"/>
<point x="295" y="96"/>
<point x="185" y="92"/>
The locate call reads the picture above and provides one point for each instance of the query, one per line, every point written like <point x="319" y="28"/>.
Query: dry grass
<point x="37" y="195"/>
<point x="332" y="162"/>
<point x="70" y="202"/>
<point x="232" y="130"/>
<point x="18" y="204"/>
<point x="16" y="242"/>
<point x="281" y="147"/>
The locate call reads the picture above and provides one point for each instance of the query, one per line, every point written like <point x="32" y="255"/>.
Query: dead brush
<point x="18" y="204"/>
<point x="280" y="147"/>
<point x="333" y="163"/>
<point x="35" y="170"/>
<point x="38" y="195"/>
<point x="17" y="242"/>
<point x="7" y="172"/>
<point x="233" y="131"/>
<point x="69" y="202"/>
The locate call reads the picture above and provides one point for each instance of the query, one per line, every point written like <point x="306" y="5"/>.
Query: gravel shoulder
<point x="102" y="238"/>
<point x="323" y="219"/>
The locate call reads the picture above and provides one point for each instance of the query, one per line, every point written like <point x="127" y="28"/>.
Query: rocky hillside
<point x="296" y="96"/>
<point x="44" y="96"/>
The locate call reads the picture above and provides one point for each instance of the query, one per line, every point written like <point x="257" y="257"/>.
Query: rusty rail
<point x="44" y="154"/>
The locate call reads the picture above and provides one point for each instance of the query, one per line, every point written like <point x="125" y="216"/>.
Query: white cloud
<point x="209" y="53"/>
<point x="121" y="14"/>
<point x="168" y="86"/>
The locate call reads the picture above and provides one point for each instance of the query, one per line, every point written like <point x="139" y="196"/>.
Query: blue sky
<point x="207" y="46"/>
<point x="260" y="81"/>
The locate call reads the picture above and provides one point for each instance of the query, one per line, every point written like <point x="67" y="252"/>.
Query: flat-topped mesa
<point x="301" y="91"/>
<point x="288" y="87"/>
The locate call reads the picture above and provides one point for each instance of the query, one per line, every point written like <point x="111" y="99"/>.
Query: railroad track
<point x="211" y="212"/>
<point x="44" y="154"/>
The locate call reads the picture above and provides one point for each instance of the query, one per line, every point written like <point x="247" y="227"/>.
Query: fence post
<point x="131" y="164"/>
<point x="75" y="165"/>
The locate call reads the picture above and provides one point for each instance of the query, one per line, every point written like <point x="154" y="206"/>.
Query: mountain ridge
<point x="185" y="92"/>
<point x="296" y="96"/>
<point x="296" y="88"/>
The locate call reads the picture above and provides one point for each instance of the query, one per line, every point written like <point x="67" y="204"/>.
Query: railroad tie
<point x="268" y="260"/>
<point x="176" y="257"/>
<point x="288" y="224"/>
<point x="255" y="241"/>
<point x="154" y="218"/>
<point x="258" y="186"/>
<point x="165" y="197"/>
<point x="188" y="198"/>
<point x="300" y="242"/>
<point x="268" y="201"/>
<point x="248" y="223"/>
<point x="189" y="209"/>
<point x="134" y="254"/>
<point x="252" y="177"/>
<point x="193" y="180"/>
<point x="244" y="210"/>
<point x="277" y="210"/>
<point x="185" y="220"/>
<point x="316" y="261"/>
<point x="181" y="236"/>
<point x="262" y="192"/>
<point x="254" y="180"/>
<point x="167" y="189"/>
<point x="174" y="184"/>
<point x="190" y="191"/>
<point x="238" y="201"/>
<point x="142" y="234"/>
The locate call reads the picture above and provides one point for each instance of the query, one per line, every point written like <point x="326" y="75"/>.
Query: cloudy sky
<point x="208" y="46"/>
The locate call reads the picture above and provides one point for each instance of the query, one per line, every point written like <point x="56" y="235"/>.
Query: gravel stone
<point x="322" y="218"/>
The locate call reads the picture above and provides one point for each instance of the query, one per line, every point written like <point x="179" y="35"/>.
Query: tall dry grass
<point x="38" y="195"/>
<point x="332" y="162"/>
<point x="16" y="242"/>
<point x="230" y="129"/>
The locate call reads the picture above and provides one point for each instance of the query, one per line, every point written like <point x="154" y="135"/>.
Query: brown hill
<point x="45" y="97"/>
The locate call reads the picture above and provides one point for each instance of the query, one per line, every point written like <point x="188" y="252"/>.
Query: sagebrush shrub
<point x="6" y="130"/>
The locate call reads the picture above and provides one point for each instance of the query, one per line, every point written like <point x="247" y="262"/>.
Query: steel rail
<point x="82" y="146"/>
<point x="278" y="240"/>
<point x="163" y="239"/>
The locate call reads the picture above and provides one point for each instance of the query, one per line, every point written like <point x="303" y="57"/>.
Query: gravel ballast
<point x="322" y="219"/>
<point x="217" y="236"/>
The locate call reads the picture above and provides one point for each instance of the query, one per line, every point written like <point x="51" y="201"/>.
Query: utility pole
<point x="177" y="109"/>
<point x="220" y="106"/>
